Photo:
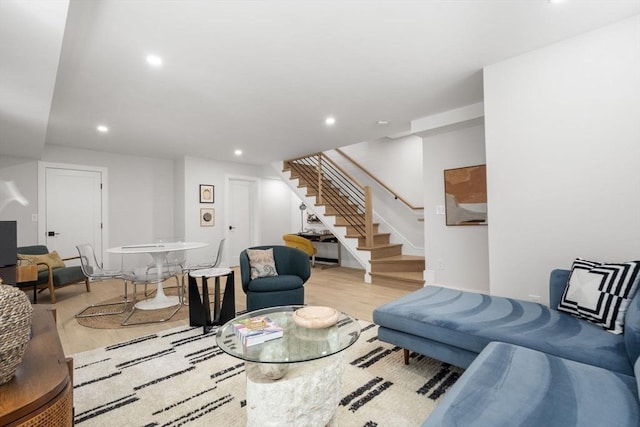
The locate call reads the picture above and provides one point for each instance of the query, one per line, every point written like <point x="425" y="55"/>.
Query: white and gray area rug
<point x="180" y="377"/>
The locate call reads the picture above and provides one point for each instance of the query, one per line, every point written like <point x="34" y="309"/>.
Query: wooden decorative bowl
<point x="316" y="317"/>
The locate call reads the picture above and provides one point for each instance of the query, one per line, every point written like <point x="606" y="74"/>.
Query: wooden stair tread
<point x="397" y="258"/>
<point x="355" y="236"/>
<point x="380" y="246"/>
<point x="402" y="275"/>
<point x="406" y="281"/>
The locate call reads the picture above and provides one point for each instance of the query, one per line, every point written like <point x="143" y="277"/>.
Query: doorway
<point x="242" y="230"/>
<point x="71" y="207"/>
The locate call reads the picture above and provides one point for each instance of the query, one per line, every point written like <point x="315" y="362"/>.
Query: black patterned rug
<point x="180" y="377"/>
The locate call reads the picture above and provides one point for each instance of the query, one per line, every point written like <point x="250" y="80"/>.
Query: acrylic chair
<point x="146" y="278"/>
<point x="186" y="270"/>
<point x="94" y="272"/>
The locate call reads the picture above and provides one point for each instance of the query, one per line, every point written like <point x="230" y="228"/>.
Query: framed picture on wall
<point x="207" y="217"/>
<point x="206" y="193"/>
<point x="465" y="192"/>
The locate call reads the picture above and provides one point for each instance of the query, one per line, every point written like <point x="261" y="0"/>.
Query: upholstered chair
<point x="51" y="274"/>
<point x="285" y="287"/>
<point x="305" y="245"/>
<point x="94" y="272"/>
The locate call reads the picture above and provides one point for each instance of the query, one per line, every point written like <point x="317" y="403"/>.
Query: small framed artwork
<point x="207" y="217"/>
<point x="206" y="193"/>
<point x="465" y="191"/>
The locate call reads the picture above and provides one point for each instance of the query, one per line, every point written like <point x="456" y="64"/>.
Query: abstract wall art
<point x="465" y="191"/>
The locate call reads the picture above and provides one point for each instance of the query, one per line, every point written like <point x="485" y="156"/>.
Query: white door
<point x="241" y="233"/>
<point x="73" y="215"/>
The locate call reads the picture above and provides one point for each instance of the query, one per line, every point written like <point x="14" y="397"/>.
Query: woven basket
<point x="15" y="329"/>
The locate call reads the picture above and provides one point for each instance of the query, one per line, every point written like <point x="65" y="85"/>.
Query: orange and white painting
<point x="466" y="195"/>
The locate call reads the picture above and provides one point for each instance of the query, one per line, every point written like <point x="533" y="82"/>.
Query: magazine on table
<point x="256" y="330"/>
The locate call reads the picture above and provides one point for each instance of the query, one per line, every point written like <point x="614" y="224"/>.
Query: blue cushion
<point x="33" y="250"/>
<point x="65" y="275"/>
<point x="557" y="283"/>
<point x="632" y="328"/>
<point x="509" y="385"/>
<point x="258" y="300"/>
<point x="470" y="321"/>
<point x="637" y="372"/>
<point x="275" y="283"/>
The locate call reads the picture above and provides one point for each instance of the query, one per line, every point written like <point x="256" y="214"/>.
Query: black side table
<point x="199" y="305"/>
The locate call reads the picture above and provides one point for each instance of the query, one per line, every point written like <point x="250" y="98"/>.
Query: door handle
<point x="231" y="227"/>
<point x="52" y="233"/>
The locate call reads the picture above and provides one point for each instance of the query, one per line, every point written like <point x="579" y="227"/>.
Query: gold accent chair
<point x="305" y="245"/>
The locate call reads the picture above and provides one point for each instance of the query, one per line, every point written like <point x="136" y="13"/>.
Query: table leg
<point x="228" y="309"/>
<point x="160" y="300"/>
<point x="216" y="299"/>
<point x="159" y="259"/>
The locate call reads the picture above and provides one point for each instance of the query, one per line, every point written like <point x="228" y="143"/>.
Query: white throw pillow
<point x="600" y="293"/>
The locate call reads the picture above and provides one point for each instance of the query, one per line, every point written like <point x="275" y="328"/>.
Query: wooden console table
<point x="41" y="392"/>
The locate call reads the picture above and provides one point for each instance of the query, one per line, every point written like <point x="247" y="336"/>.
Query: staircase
<point x="345" y="207"/>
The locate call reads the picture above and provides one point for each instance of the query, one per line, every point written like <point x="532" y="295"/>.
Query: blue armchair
<point x="286" y="288"/>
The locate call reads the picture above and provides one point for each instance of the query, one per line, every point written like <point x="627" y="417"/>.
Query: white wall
<point x="397" y="163"/>
<point x="152" y="198"/>
<point x="274" y="203"/>
<point x="140" y="195"/>
<point x="563" y="156"/>
<point x="24" y="172"/>
<point x="179" y="196"/>
<point x="275" y="216"/>
<point x="456" y="256"/>
<point x="141" y="202"/>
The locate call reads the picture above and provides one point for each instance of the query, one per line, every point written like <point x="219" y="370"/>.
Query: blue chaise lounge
<point x="527" y="364"/>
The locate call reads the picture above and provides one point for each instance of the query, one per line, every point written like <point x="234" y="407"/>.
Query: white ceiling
<point x="256" y="75"/>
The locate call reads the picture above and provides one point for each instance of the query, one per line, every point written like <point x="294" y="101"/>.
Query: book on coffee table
<point x="257" y="330"/>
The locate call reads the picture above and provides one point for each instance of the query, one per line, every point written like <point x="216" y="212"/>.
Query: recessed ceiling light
<point x="102" y="128"/>
<point x="238" y="152"/>
<point x="330" y="121"/>
<point x="556" y="1"/>
<point x="382" y="122"/>
<point x="154" y="60"/>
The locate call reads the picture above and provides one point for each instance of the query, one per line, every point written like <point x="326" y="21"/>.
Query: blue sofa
<point x="527" y="364"/>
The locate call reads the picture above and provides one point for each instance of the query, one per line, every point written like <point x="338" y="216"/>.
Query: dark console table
<point x="325" y="238"/>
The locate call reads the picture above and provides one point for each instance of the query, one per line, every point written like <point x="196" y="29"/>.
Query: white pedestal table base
<point x="307" y="395"/>
<point x="158" y="302"/>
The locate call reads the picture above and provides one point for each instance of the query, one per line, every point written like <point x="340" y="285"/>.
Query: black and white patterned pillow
<point x="600" y="293"/>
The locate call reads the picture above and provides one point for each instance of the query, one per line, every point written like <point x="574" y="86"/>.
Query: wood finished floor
<point x="341" y="288"/>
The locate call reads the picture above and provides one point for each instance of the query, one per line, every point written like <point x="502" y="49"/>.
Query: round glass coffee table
<point x="295" y="379"/>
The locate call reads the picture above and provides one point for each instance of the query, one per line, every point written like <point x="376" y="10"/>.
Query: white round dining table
<point x="159" y="253"/>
